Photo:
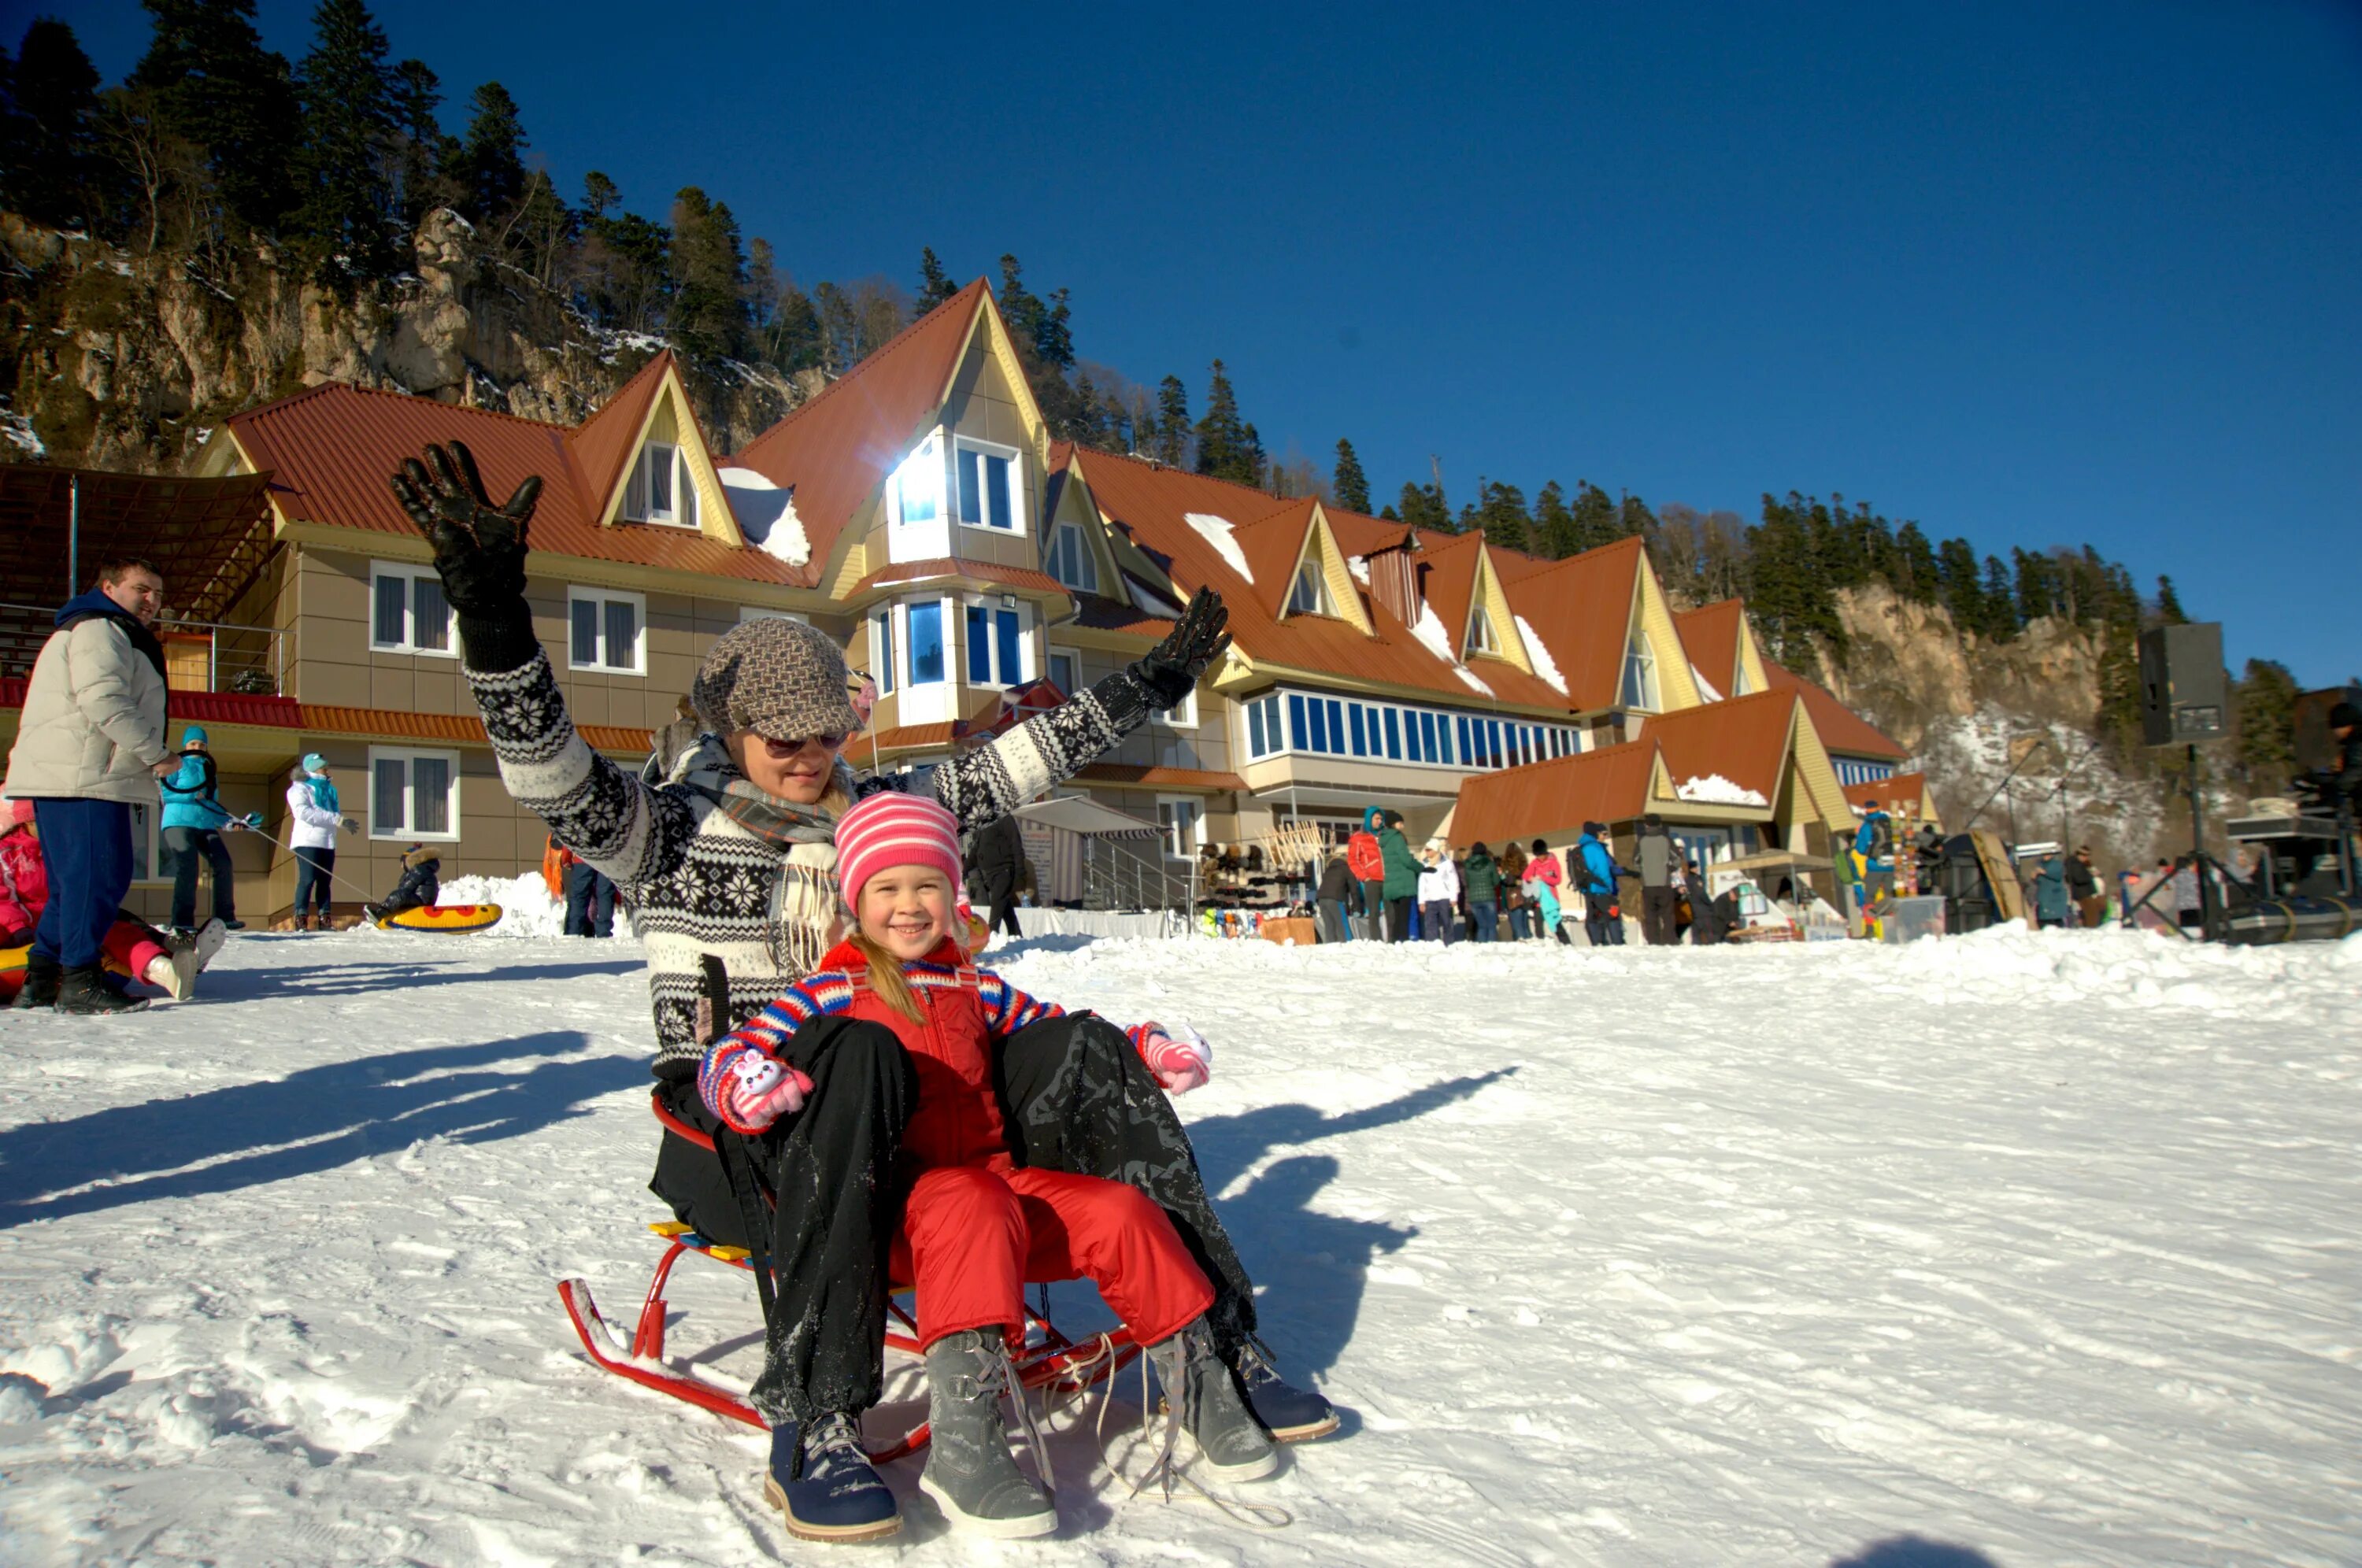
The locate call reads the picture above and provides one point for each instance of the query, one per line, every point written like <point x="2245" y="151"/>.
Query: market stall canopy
<point x="1076" y="814"/>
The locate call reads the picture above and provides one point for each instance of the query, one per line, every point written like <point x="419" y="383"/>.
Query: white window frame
<point x="408" y="832"/>
<point x="918" y="463"/>
<point x="1323" y="604"/>
<point x="1017" y="496"/>
<point x="1086" y="563"/>
<point x="1196" y="825"/>
<point x="1479" y="635"/>
<point x="1050" y="657"/>
<point x="950" y="642"/>
<point x="1181" y="715"/>
<point x="1650" y="698"/>
<point x="603" y="597"/>
<point x="682" y="513"/>
<point x="411" y="576"/>
<point x="990" y="603"/>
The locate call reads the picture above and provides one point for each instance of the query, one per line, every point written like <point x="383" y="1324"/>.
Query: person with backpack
<point x="1603" y="921"/>
<point x="193" y="819"/>
<point x="1517" y="909"/>
<point x="1366" y="860"/>
<point x="1480" y="879"/>
<point x="1659" y="860"/>
<point x="1874" y="842"/>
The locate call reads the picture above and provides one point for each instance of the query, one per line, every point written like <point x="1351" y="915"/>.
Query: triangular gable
<point x="1710" y="636"/>
<point x="1653" y="617"/>
<point x="1071" y="502"/>
<point x="1751" y="659"/>
<point x="836" y="451"/>
<point x="1580" y="610"/>
<point x="988" y="327"/>
<point x="1818" y="775"/>
<point x="1272" y="545"/>
<point x="1321" y="543"/>
<point x="658" y="408"/>
<point x="1490" y="600"/>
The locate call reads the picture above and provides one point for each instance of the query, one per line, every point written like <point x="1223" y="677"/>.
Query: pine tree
<point x="421" y="150"/>
<point x="1348" y="484"/>
<point x="2000" y="604"/>
<point x="1963" y="593"/>
<point x="1916" y="577"/>
<point x="1423" y="507"/>
<point x="1228" y="448"/>
<point x="1021" y="308"/>
<point x="708" y="318"/>
<point x="488" y="166"/>
<point x="1502" y="514"/>
<point x="1595" y="518"/>
<point x="1634" y="521"/>
<point x="2267" y="725"/>
<point x="2035" y="596"/>
<point x="342" y="220"/>
<point x="598" y="193"/>
<point x="2169" y="604"/>
<point x="48" y="145"/>
<point x="935" y="287"/>
<point x="1053" y="337"/>
<point x="1170" y="440"/>
<point x="1553" y="522"/>
<point x="208" y="84"/>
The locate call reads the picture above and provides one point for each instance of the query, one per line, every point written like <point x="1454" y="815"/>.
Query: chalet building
<point x="917" y="511"/>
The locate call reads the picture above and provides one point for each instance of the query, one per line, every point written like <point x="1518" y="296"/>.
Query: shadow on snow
<point x="361" y="979"/>
<point x="311" y="1120"/>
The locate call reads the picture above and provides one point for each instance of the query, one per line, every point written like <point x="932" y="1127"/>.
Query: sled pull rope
<point x="1253" y="1516"/>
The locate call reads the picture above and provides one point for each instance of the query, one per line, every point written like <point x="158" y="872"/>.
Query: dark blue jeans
<point x="314" y="869"/>
<point x="590" y="902"/>
<point x="86" y="845"/>
<point x="1484" y="921"/>
<point x="185" y="845"/>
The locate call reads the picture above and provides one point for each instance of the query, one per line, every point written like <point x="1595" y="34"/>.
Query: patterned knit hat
<point x="783" y="679"/>
<point x="890" y="829"/>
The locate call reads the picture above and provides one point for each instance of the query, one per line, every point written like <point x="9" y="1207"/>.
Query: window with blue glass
<point x="1255" y="729"/>
<point x="926" y="642"/>
<point x="1393" y="738"/>
<point x="1361" y="745"/>
<point x="1319" y="716"/>
<point x="1298" y="731"/>
<point x="1336" y="727"/>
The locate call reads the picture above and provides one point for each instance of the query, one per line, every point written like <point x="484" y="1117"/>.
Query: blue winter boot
<point x="820" y="1480"/>
<point x="1289" y="1414"/>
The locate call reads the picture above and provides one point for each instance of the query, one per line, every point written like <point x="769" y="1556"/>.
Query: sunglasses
<point x="786" y="748"/>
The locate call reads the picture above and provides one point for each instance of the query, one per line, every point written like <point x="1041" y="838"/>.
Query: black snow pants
<point x="1076" y="1096"/>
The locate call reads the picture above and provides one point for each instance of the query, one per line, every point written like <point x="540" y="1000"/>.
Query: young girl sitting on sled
<point x="976" y="1224"/>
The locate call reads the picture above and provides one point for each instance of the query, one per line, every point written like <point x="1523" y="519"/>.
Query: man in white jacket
<point x="90" y="747"/>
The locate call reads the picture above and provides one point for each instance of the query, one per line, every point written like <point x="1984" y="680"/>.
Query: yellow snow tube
<point x="455" y="917"/>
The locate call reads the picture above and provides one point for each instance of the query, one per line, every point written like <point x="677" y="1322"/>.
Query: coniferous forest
<point x="191" y="154"/>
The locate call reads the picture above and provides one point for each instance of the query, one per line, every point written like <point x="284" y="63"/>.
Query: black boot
<point x="83" y="990"/>
<point x="40" y="988"/>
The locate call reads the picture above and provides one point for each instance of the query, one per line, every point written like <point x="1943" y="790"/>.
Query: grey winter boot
<point x="970" y="1472"/>
<point x="1202" y="1398"/>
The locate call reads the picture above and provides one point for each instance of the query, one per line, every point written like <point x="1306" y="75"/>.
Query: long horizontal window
<point x="1310" y="724"/>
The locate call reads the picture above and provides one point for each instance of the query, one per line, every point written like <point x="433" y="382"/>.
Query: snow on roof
<point x="1216" y="531"/>
<point x="1539" y="657"/>
<point x="1706" y="690"/>
<point x="1715" y="789"/>
<point x="766" y="514"/>
<point x="1429" y="630"/>
<point x="1360" y="567"/>
<point x="1470" y="676"/>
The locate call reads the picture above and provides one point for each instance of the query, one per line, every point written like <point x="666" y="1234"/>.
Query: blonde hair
<point x="886" y="977"/>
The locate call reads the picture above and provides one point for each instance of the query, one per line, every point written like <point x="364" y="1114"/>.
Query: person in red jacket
<point x="976" y="1224"/>
<point x="1367" y="862"/>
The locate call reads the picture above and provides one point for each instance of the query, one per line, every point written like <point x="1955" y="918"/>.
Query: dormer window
<point x="918" y="486"/>
<point x="1640" y="676"/>
<point x="660" y="489"/>
<point x="1070" y="558"/>
<point x="1480" y="634"/>
<point x="1310" y="596"/>
<point x="991" y="486"/>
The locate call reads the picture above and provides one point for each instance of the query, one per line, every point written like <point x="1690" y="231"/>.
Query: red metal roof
<point x="1744" y="739"/>
<point x="974" y="570"/>
<point x="333" y="450"/>
<point x="1553" y="799"/>
<point x="1843" y="731"/>
<point x="835" y="450"/>
<point x="1709" y="636"/>
<point x="1581" y="608"/>
<point x="1150" y="503"/>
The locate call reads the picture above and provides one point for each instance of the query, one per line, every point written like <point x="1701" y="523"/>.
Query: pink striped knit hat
<point x="893" y="829"/>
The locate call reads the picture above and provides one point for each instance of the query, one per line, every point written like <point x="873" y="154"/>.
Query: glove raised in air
<point x="1170" y="668"/>
<point x="478" y="547"/>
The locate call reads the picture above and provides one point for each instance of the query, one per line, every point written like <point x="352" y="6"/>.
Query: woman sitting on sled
<point x="731" y="857"/>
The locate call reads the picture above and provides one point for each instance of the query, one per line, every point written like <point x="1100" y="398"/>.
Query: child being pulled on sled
<point x="976" y="1224"/>
<point x="132" y="946"/>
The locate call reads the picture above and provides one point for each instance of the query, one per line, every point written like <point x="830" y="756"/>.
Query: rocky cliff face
<point x="1970" y="709"/>
<point x="113" y="360"/>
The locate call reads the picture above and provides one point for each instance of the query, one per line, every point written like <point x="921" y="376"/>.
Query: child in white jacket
<point x="312" y="818"/>
<point x="1439" y="894"/>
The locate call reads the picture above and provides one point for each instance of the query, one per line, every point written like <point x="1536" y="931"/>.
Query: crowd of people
<point x="1375" y="888"/>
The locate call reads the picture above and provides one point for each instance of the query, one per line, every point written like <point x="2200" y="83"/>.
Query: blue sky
<point x="2036" y="276"/>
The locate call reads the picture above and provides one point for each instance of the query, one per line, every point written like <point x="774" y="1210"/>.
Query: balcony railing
<point x="199" y="656"/>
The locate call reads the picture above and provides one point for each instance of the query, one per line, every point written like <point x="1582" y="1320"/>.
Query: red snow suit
<point x="977" y="1226"/>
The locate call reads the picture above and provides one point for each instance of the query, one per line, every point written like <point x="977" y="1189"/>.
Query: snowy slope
<point x="2044" y="1248"/>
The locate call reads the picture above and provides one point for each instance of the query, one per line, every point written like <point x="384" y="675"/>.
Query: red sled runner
<point x="1049" y="1360"/>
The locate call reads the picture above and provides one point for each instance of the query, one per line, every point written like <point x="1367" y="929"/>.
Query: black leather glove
<point x="1169" y="671"/>
<point x="478" y="551"/>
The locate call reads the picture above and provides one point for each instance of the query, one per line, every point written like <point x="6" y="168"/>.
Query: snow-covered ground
<point x="2024" y="1251"/>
